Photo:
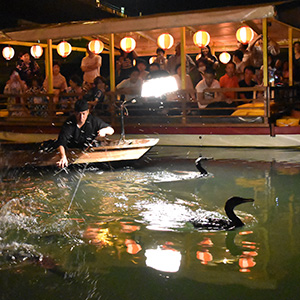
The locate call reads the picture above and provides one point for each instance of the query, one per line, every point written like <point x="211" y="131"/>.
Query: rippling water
<point x="127" y="235"/>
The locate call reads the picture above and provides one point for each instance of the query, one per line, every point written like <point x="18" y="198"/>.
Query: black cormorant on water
<point x="199" y="166"/>
<point x="223" y="224"/>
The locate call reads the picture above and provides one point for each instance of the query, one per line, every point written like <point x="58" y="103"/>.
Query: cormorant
<point x="199" y="166"/>
<point x="223" y="224"/>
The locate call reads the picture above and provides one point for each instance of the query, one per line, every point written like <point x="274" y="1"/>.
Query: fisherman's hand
<point x="63" y="162"/>
<point x="104" y="131"/>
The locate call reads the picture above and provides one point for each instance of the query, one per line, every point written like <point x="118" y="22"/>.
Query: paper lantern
<point x="8" y="52"/>
<point x="127" y="44"/>
<point x="96" y="46"/>
<point x="245" y="34"/>
<point x="165" y="41"/>
<point x="36" y="51"/>
<point x="201" y="38"/>
<point x="152" y="59"/>
<point x="64" y="49"/>
<point x="224" y="57"/>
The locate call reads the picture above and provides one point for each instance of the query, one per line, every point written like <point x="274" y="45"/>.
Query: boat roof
<point x="221" y="23"/>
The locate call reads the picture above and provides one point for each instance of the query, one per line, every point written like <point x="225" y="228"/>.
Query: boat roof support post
<point x="290" y="42"/>
<point x="183" y="58"/>
<point x="265" y="51"/>
<point x="112" y="62"/>
<point x="49" y="65"/>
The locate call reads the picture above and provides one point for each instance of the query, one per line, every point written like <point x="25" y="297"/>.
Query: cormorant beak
<point x="248" y="200"/>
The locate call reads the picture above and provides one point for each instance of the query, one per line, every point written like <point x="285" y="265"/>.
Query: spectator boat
<point x="176" y="121"/>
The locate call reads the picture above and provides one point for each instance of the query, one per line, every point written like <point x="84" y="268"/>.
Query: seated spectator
<point x="285" y="74"/>
<point x="211" y="100"/>
<point x="59" y="82"/>
<point x="38" y="105"/>
<point x="229" y="80"/>
<point x="160" y="59"/>
<point x="155" y="72"/>
<point x="237" y="58"/>
<point x="248" y="81"/>
<point x="204" y="97"/>
<point x="27" y="68"/>
<point x="188" y="82"/>
<point x="96" y="96"/>
<point x="131" y="87"/>
<point x="67" y="103"/>
<point x="16" y="86"/>
<point x="209" y="59"/>
<point x="142" y="66"/>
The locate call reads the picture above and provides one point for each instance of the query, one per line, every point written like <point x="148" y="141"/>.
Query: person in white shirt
<point x="132" y="86"/>
<point x="204" y="97"/>
<point x="91" y="65"/>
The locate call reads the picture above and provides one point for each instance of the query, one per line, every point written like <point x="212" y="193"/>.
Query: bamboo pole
<point x="265" y="51"/>
<point x="183" y="59"/>
<point x="112" y="62"/>
<point x="49" y="64"/>
<point x="290" y="34"/>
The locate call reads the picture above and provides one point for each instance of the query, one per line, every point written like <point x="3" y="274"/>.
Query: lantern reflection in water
<point x="165" y="260"/>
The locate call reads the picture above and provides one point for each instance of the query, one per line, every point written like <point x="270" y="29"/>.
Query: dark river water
<point x="127" y="233"/>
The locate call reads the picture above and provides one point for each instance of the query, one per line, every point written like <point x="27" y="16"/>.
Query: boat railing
<point x="179" y="108"/>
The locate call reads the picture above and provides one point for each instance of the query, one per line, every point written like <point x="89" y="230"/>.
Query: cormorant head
<point x="234" y="201"/>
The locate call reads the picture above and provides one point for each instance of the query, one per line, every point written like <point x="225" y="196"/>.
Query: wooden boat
<point x="20" y="155"/>
<point x="278" y="21"/>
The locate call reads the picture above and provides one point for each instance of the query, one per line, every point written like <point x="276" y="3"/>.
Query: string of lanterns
<point x="165" y="41"/>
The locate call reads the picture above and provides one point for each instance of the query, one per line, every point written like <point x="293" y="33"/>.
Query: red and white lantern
<point x="36" y="51"/>
<point x="127" y="44"/>
<point x="201" y="38"/>
<point x="96" y="46"/>
<point x="165" y="41"/>
<point x="8" y="52"/>
<point x="64" y="49"/>
<point x="245" y="34"/>
<point x="224" y="57"/>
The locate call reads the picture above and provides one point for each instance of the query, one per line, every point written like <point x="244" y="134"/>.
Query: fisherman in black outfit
<point x="80" y="130"/>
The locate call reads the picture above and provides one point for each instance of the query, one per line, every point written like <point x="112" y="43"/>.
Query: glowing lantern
<point x="224" y="57"/>
<point x="152" y="59"/>
<point x="64" y="49"/>
<point x="165" y="41"/>
<point x="244" y="35"/>
<point x="8" y="52"/>
<point x="96" y="46"/>
<point x="127" y="44"/>
<point x="201" y="38"/>
<point x="36" y="51"/>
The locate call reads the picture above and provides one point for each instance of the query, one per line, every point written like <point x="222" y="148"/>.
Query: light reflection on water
<point x="129" y="226"/>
